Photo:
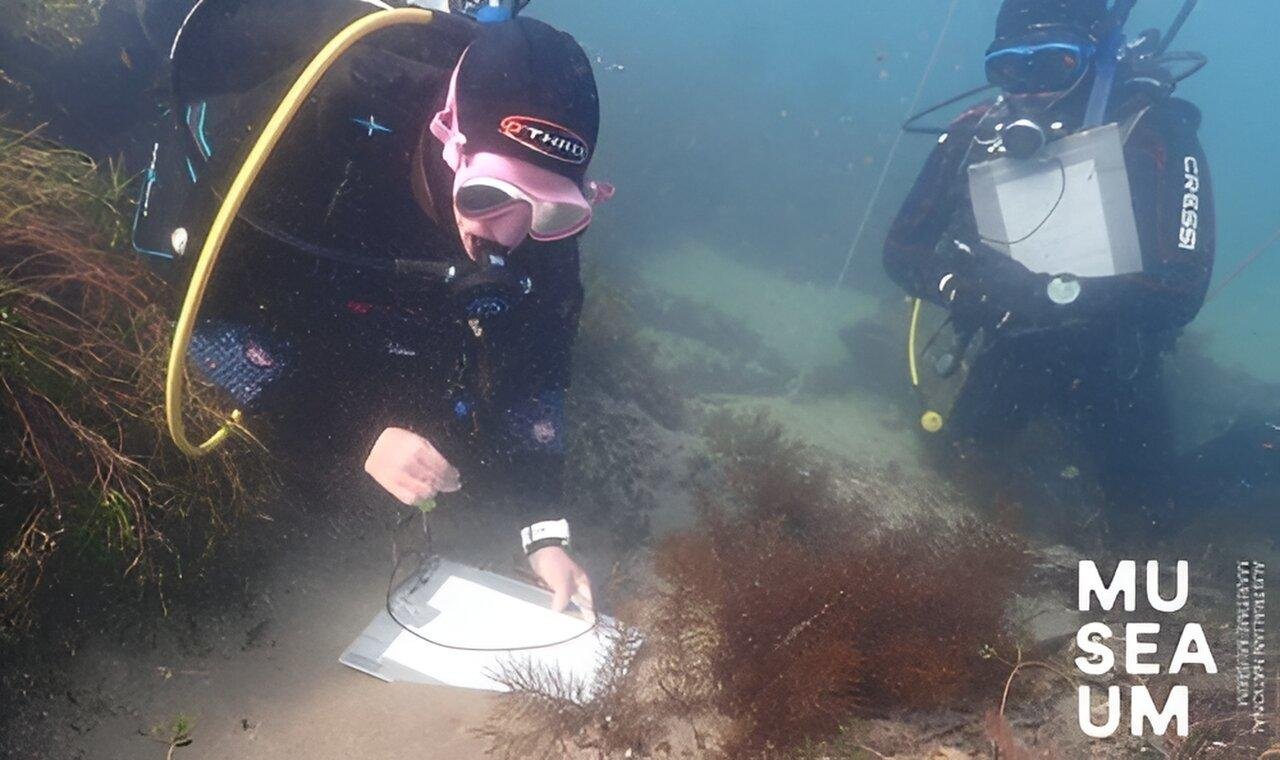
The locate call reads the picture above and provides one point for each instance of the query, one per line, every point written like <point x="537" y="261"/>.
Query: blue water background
<point x="761" y="128"/>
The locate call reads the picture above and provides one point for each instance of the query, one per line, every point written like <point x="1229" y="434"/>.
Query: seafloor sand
<point x="802" y="323"/>
<point x="262" y="680"/>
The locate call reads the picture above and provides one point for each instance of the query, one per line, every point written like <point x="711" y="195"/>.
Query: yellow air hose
<point x="271" y="133"/>
<point x="931" y="420"/>
<point x="911" y="342"/>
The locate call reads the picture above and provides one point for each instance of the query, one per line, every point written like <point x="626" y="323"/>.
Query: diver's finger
<point x="429" y="456"/>
<point x="450" y="480"/>
<point x="420" y="489"/>
<point x="427" y="482"/>
<point x="445" y="475"/>
<point x="418" y="471"/>
<point x="588" y="614"/>
<point x="560" y="598"/>
<point x="402" y="494"/>
<point x="584" y="587"/>
<point x="438" y="482"/>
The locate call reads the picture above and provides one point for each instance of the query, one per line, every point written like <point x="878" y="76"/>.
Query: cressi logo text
<point x="1190" y="218"/>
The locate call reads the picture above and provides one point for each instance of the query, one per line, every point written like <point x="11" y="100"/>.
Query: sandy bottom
<point x="802" y="322"/>
<point x="263" y="681"/>
<point x="858" y="428"/>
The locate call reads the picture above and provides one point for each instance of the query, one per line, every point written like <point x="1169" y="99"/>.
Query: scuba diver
<point x="400" y="288"/>
<point x="1067" y="227"/>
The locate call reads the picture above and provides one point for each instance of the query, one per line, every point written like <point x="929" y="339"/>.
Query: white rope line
<point x="893" y="150"/>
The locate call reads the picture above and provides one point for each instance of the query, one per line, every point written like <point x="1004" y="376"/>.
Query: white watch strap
<point x="539" y="531"/>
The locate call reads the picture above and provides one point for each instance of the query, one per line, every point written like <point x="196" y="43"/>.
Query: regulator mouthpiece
<point x="1023" y="139"/>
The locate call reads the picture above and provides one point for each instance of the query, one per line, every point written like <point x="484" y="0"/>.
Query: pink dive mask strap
<point x="444" y="126"/>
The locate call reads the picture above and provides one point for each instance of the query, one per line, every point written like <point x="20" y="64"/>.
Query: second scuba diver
<point x="402" y="285"/>
<point x="1043" y="340"/>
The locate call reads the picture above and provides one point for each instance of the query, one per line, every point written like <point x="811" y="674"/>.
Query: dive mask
<point x="489" y="206"/>
<point x="1044" y="61"/>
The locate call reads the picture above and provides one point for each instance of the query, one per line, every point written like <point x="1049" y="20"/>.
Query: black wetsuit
<point x="1095" y="364"/>
<point x="308" y="321"/>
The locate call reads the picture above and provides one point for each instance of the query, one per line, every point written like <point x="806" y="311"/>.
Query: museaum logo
<point x="1101" y="717"/>
<point x="547" y="138"/>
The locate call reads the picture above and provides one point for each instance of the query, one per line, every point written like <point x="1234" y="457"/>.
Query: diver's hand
<point x="969" y="306"/>
<point x="988" y="288"/>
<point x="409" y="467"/>
<point x="959" y="288"/>
<point x="1010" y="288"/>
<point x="566" y="579"/>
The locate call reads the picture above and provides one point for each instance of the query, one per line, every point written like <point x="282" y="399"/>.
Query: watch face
<point x="1063" y="291"/>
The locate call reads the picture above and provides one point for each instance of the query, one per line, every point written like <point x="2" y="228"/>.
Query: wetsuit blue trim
<point x="137" y="216"/>
<point x="372" y="125"/>
<point x="197" y="131"/>
<point x="191" y="169"/>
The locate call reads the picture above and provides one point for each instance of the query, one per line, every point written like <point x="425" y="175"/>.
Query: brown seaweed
<point x="789" y="609"/>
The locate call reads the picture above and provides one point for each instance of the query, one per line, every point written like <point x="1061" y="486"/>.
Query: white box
<point x="1067" y="210"/>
